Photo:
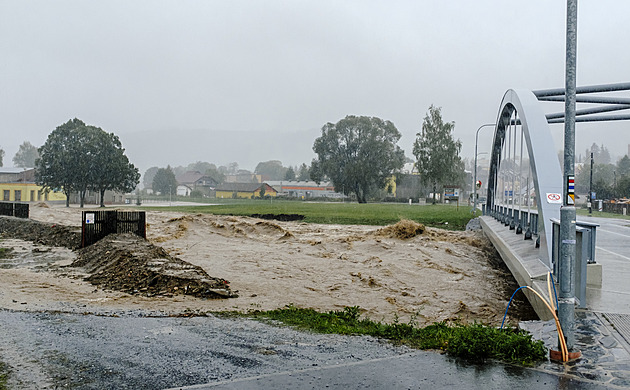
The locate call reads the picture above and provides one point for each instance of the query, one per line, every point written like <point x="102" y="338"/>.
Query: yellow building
<point x="18" y="185"/>
<point x="243" y="190"/>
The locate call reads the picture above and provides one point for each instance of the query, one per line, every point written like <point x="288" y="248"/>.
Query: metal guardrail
<point x="585" y="239"/>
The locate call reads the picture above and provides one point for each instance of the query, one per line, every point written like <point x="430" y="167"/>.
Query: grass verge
<point x="444" y="216"/>
<point x="473" y="342"/>
<point x="601" y="214"/>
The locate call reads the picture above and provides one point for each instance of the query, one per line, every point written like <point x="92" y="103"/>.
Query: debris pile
<point x="403" y="229"/>
<point x="129" y="263"/>
<point x="40" y="232"/>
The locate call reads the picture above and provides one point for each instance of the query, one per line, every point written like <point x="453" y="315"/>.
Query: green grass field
<point x="443" y="216"/>
<point x="601" y="214"/>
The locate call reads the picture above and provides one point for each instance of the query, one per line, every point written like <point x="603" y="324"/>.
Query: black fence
<point x="19" y="210"/>
<point x="98" y="224"/>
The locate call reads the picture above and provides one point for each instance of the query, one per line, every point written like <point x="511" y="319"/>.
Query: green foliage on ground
<point x="443" y="216"/>
<point x="473" y="342"/>
<point x="4" y="376"/>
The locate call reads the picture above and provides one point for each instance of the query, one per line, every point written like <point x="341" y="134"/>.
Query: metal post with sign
<point x="566" y="299"/>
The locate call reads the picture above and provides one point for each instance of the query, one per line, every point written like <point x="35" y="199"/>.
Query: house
<point x="183" y="190"/>
<point x="304" y="189"/>
<point x="18" y="185"/>
<point x="195" y="181"/>
<point x="94" y="198"/>
<point x="244" y="190"/>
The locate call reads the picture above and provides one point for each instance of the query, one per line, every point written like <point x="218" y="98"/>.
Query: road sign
<point x="554" y="198"/>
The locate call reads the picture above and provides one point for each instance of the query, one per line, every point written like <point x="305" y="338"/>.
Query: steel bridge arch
<point x="543" y="161"/>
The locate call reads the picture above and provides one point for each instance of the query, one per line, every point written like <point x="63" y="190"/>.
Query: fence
<point x="20" y="210"/>
<point x="617" y="208"/>
<point x="98" y="224"/>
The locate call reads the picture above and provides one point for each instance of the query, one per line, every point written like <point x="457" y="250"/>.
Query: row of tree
<point x="360" y="154"/>
<point x="77" y="157"/>
<point x="610" y="181"/>
<point x="25" y="156"/>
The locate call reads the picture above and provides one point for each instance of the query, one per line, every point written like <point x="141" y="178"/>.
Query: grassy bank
<point x="443" y="216"/>
<point x="473" y="342"/>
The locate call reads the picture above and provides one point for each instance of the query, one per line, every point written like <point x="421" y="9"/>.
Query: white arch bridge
<point x="525" y="182"/>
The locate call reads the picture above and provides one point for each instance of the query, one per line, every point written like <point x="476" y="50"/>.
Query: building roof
<point x="239" y="187"/>
<point x="189" y="177"/>
<point x="300" y="185"/>
<point x="14" y="170"/>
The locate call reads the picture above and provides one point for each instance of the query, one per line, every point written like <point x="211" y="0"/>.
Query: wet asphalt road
<point x="131" y="351"/>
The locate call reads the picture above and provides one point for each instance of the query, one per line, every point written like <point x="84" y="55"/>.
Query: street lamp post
<point x="475" y="174"/>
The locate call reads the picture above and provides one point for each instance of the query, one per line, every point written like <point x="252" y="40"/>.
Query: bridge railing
<point x="585" y="238"/>
<point x="521" y="221"/>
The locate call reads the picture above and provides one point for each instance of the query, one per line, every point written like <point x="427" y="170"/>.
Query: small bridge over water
<point x="525" y="194"/>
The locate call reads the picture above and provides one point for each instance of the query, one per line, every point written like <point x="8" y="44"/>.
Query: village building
<point x="244" y="190"/>
<point x="304" y="189"/>
<point x="195" y="181"/>
<point x="18" y="185"/>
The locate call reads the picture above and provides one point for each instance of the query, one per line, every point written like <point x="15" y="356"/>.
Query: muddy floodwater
<point x="64" y="327"/>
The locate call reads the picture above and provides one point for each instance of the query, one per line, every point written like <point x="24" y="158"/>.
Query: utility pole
<point x="590" y="189"/>
<point x="566" y="301"/>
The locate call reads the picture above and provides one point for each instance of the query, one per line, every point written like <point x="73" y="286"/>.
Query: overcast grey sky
<point x="251" y="81"/>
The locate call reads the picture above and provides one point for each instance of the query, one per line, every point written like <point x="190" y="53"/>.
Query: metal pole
<point x="566" y="302"/>
<point x="590" y="189"/>
<point x="475" y="175"/>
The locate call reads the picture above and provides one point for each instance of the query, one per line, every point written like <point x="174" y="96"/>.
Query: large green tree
<point x="78" y="157"/>
<point x="437" y="152"/>
<point x="164" y="181"/>
<point x="271" y="170"/>
<point x="111" y="169"/>
<point x="57" y="163"/>
<point x="26" y="155"/>
<point x="358" y="153"/>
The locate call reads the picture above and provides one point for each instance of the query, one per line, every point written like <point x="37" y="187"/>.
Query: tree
<point x="164" y="181"/>
<point x="26" y="156"/>
<point x="1" y="156"/>
<point x="290" y="174"/>
<point x="303" y="173"/>
<point x="623" y="166"/>
<point x="271" y="170"/>
<point x="111" y="168"/>
<point x="56" y="166"/>
<point x="358" y="153"/>
<point x="436" y="152"/>
<point x="78" y="157"/>
<point x="147" y="178"/>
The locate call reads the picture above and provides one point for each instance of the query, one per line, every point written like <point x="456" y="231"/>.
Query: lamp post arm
<point x="474" y="189"/>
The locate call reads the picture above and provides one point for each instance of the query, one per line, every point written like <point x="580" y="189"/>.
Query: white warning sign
<point x="89" y="218"/>
<point x="554" y="198"/>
